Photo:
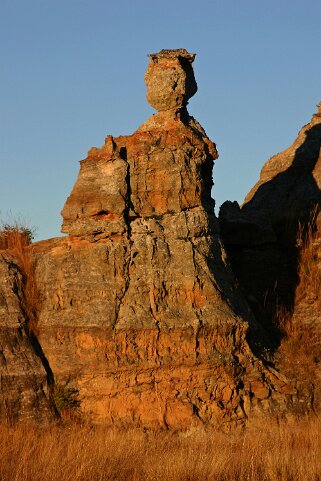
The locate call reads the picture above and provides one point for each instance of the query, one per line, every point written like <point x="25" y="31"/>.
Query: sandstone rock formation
<point x="140" y="309"/>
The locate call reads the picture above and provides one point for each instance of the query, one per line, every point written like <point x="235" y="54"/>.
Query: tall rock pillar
<point x="141" y="311"/>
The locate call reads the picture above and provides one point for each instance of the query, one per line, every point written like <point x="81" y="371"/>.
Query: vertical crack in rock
<point x="150" y="242"/>
<point x="128" y="214"/>
<point x="198" y="283"/>
<point x="50" y="375"/>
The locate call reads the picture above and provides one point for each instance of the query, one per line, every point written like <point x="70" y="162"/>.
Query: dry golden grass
<point x="15" y="239"/>
<point x="266" y="452"/>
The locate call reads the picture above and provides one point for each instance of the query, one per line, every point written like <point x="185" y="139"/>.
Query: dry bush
<point x="15" y="235"/>
<point x="265" y="452"/>
<point x="300" y="335"/>
<point x="15" y="239"/>
<point x="300" y="346"/>
<point x="298" y="356"/>
<point x="309" y="271"/>
<point x="308" y="288"/>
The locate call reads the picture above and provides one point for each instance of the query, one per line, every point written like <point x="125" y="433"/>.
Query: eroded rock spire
<point x="141" y="313"/>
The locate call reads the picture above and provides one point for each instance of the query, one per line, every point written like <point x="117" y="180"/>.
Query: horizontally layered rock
<point x="140" y="312"/>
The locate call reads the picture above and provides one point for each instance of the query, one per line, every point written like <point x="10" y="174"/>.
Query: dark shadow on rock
<point x="261" y="237"/>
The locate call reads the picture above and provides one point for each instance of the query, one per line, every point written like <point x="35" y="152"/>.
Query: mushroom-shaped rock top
<point x="170" y="79"/>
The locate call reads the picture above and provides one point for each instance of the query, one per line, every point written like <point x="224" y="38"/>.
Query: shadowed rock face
<point x="290" y="182"/>
<point x="265" y="242"/>
<point x="261" y="236"/>
<point x="141" y="312"/>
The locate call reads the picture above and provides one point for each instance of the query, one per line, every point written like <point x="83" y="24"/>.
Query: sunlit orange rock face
<point x="140" y="310"/>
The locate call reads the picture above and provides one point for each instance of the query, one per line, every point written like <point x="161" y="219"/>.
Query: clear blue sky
<point x="72" y="72"/>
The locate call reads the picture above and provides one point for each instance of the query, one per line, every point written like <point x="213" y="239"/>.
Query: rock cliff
<point x="140" y="311"/>
<point x="262" y="235"/>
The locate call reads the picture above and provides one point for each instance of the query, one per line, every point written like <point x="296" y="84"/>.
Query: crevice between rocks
<point x="128" y="219"/>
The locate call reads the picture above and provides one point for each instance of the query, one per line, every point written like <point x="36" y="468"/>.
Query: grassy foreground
<point x="265" y="452"/>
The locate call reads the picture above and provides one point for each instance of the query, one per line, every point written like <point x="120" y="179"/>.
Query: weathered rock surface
<point x="23" y="379"/>
<point x="140" y="311"/>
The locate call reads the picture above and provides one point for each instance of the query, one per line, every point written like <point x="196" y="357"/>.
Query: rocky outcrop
<point x="24" y="391"/>
<point x="262" y="236"/>
<point x="273" y="241"/>
<point x="290" y="181"/>
<point x="141" y="312"/>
